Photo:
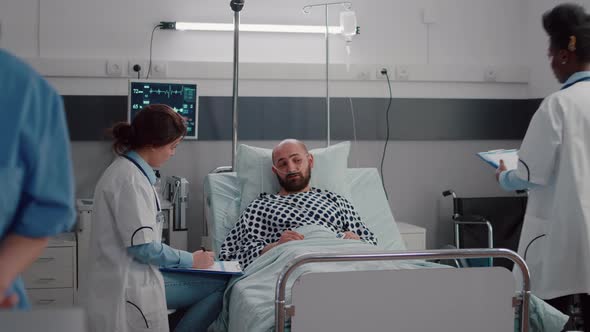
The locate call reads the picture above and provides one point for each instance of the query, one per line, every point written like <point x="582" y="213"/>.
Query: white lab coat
<point x="124" y="295"/>
<point x="555" y="236"/>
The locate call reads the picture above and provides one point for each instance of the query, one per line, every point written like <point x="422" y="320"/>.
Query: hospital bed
<point x="322" y="300"/>
<point x="391" y="298"/>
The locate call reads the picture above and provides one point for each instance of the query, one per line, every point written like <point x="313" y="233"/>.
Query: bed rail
<point x="281" y="310"/>
<point x="222" y="169"/>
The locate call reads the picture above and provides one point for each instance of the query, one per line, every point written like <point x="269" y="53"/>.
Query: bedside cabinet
<point x="51" y="280"/>
<point x="413" y="236"/>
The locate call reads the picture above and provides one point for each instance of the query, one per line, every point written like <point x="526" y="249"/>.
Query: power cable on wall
<point x="151" y="45"/>
<point x="384" y="72"/>
<point x="428" y="43"/>
<point x="428" y="19"/>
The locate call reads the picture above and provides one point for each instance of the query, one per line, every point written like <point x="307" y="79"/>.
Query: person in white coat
<point x="126" y="290"/>
<point x="554" y="164"/>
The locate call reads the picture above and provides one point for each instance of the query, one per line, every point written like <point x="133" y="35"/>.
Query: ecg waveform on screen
<point x="181" y="97"/>
<point x="168" y="92"/>
<point x="148" y="91"/>
<point x="187" y="93"/>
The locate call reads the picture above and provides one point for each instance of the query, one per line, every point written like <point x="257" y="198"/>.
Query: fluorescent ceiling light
<point x="258" y="28"/>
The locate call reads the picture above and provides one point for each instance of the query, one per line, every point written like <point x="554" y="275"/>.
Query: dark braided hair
<point x="569" y="25"/>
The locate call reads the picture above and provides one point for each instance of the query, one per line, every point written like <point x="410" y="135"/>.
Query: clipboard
<point x="493" y="158"/>
<point x="219" y="267"/>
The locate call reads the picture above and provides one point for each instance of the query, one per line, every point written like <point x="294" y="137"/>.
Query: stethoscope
<point x="158" y="209"/>
<point x="583" y="79"/>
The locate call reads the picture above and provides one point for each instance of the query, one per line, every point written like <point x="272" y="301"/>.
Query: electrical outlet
<point x="114" y="67"/>
<point x="363" y="75"/>
<point x="490" y="74"/>
<point x="402" y="73"/>
<point x="143" y="68"/>
<point x="159" y="69"/>
<point x="380" y="75"/>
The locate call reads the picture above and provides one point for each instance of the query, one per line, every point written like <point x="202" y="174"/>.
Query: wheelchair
<point x="487" y="222"/>
<point x="496" y="222"/>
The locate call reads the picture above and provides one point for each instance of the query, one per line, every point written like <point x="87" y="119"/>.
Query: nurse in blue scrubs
<point x="36" y="185"/>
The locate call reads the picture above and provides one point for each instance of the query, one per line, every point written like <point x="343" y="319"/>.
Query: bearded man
<point x="270" y="220"/>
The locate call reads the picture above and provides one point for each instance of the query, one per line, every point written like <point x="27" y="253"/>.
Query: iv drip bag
<point x="348" y="23"/>
<point x="349" y="29"/>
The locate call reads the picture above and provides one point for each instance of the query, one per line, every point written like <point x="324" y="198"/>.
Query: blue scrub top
<point x="37" y="193"/>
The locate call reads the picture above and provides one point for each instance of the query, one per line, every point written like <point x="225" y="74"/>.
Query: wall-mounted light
<point x="251" y="27"/>
<point x="347" y="29"/>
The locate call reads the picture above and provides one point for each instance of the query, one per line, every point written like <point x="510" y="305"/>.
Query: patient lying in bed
<point x="269" y="220"/>
<point x="301" y="220"/>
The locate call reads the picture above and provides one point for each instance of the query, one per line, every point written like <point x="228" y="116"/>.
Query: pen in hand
<point x="205" y="250"/>
<point x="204" y="259"/>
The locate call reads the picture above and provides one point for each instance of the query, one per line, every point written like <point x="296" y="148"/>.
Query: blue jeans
<point x="200" y="294"/>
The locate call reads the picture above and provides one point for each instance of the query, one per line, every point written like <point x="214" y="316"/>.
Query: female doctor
<point x="554" y="163"/>
<point x="126" y="291"/>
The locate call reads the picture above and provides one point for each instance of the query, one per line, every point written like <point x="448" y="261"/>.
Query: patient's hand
<point x="501" y="168"/>
<point x="202" y="259"/>
<point x="290" y="236"/>
<point x="351" y="236"/>
<point x="287" y="236"/>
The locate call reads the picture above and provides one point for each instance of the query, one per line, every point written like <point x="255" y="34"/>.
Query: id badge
<point x="160" y="218"/>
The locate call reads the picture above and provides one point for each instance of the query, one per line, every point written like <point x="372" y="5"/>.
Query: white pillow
<point x="254" y="171"/>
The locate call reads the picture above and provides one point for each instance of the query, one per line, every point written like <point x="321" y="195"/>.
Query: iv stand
<point x="236" y="6"/>
<point x="306" y="9"/>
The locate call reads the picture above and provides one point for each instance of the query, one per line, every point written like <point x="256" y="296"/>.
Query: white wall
<point x="465" y="32"/>
<point x="480" y="33"/>
<point x="19" y="23"/>
<point x="68" y="35"/>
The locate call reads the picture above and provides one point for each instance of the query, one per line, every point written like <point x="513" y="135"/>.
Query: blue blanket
<point x="249" y="299"/>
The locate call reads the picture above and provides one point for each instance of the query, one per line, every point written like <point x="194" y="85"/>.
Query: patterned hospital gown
<point x="266" y="218"/>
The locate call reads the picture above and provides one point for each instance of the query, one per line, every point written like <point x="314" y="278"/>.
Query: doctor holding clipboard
<point x="126" y="292"/>
<point x="554" y="164"/>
